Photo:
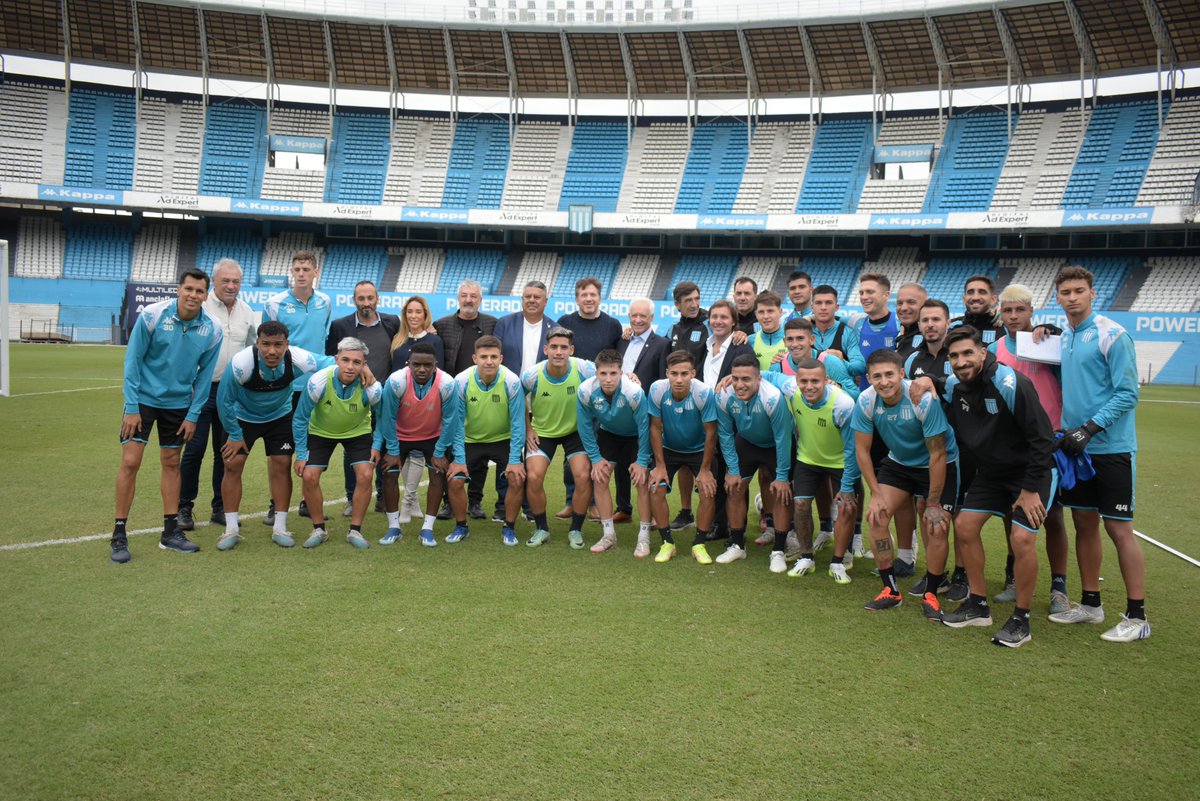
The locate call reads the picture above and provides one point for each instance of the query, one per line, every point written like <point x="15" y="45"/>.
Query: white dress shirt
<point x="713" y="362"/>
<point x="240" y="325"/>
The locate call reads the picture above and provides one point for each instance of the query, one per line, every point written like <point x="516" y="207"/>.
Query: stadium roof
<point x="894" y="47"/>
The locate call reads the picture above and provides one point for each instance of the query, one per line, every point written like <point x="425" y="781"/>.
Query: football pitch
<point x="476" y="671"/>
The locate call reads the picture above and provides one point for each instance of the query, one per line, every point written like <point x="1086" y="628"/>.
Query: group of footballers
<point x="903" y="419"/>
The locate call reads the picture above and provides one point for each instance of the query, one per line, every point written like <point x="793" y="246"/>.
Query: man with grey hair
<point x="460" y="330"/>
<point x="238" y="322"/>
<point x="644" y="354"/>
<point x="335" y="408"/>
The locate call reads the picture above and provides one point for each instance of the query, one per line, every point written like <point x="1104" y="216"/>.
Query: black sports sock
<point x="1008" y="569"/>
<point x="826" y="524"/>
<point x="539" y="520"/>
<point x="737" y="536"/>
<point x="700" y="537"/>
<point x="780" y="540"/>
<point x="665" y="533"/>
<point x="1136" y="608"/>
<point x="858" y="529"/>
<point x="119" y="526"/>
<point x="508" y="523"/>
<point x="1021" y="614"/>
<point x="1090" y="598"/>
<point x="977" y="600"/>
<point x="806" y="555"/>
<point x="888" y="577"/>
<point x="838" y="560"/>
<point x="932" y="582"/>
<point x="577" y="521"/>
<point x="1058" y="583"/>
<point x="318" y="526"/>
<point x="170" y="523"/>
<point x="356" y="528"/>
<point x="461" y="523"/>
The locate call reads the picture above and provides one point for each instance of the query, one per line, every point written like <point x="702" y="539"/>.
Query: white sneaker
<point x="731" y="554"/>
<point x="803" y="567"/>
<point x="348" y="510"/>
<point x="766" y="538"/>
<point x="1128" y="630"/>
<point x="823" y="539"/>
<point x="643" y="546"/>
<point x="778" y="562"/>
<point x="837" y="572"/>
<point x="604" y="543"/>
<point x="848" y="561"/>
<point x="793" y="545"/>
<point x="1078" y="613"/>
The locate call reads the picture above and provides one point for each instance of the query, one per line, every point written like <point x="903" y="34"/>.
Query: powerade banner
<point x="896" y="154"/>
<point x="139" y="296"/>
<point x="297" y="144"/>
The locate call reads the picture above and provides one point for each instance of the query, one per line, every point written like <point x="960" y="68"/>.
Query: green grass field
<point x="478" y="671"/>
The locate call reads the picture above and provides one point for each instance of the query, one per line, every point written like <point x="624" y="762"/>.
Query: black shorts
<point x="168" y="422"/>
<point x="357" y="449"/>
<point x="752" y="458"/>
<point x="915" y="481"/>
<point x="996" y="495"/>
<point x="966" y="474"/>
<point x="276" y="435"/>
<point x="571" y="445"/>
<point x="621" y="451"/>
<point x="807" y="478"/>
<point x="674" y="460"/>
<point x="1111" y="491"/>
<point x="425" y="446"/>
<point x="480" y="453"/>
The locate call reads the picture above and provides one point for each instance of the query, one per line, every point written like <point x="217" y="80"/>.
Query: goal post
<point x="5" y="390"/>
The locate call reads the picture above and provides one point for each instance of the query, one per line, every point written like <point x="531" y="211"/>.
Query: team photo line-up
<point x="944" y="422"/>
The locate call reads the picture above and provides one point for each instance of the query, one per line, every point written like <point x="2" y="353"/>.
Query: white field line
<point x="62" y="391"/>
<point x="1163" y="400"/>
<point x="1167" y="548"/>
<point x="22" y="546"/>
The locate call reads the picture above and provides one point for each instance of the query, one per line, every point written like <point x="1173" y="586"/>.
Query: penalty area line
<point x="24" y="546"/>
<point x="1166" y="548"/>
<point x="62" y="391"/>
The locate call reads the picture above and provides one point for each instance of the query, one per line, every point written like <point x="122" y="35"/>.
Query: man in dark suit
<point x="522" y="334"/>
<point x="377" y="331"/>
<point x="459" y="332"/>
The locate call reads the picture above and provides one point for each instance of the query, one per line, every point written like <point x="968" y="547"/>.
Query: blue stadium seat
<point x="837" y="168"/>
<point x="478" y="165"/>
<point x="947" y="275"/>
<point x="1110" y="274"/>
<point x="713" y="274"/>
<point x="101" y="137"/>
<point x="98" y="252"/>
<point x="714" y="168"/>
<point x="840" y="272"/>
<point x="347" y="264"/>
<point x="484" y="266"/>
<point x="235" y="150"/>
<point x="972" y="156"/>
<point x="595" y="167"/>
<point x="358" y="159"/>
<point x="576" y="265"/>
<point x="243" y="245"/>
<point x="1114" y="156"/>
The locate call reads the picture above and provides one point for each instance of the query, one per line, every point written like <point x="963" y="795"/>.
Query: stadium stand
<point x="947" y="275"/>
<point x="416" y="173"/>
<point x="32" y="133"/>
<point x="155" y="254"/>
<point x="39" y="251"/>
<point x="1114" y="155"/>
<point x="901" y="266"/>
<point x="713" y="172"/>
<point x="346" y="264"/>
<point x="774" y="169"/>
<point x="1033" y="272"/>
<point x="280" y="180"/>
<point x="538" y="265"/>
<point x="594" y="168"/>
<point x="576" y="265"/>
<point x="761" y="268"/>
<point x="358" y="158"/>
<point x="969" y="165"/>
<point x="235" y="150"/>
<point x="1172" y="285"/>
<point x="1110" y="273"/>
<point x="98" y="251"/>
<point x="657" y="159"/>
<point x="837" y="167"/>
<point x="242" y="245"/>
<point x="170" y="139"/>
<point x="713" y="274"/>
<point x="1171" y="176"/>
<point x="461" y="264"/>
<point x="540" y="151"/>
<point x="420" y="270"/>
<point x="840" y="272"/>
<point x="101" y="135"/>
<point x="478" y="165"/>
<point x="635" y="276"/>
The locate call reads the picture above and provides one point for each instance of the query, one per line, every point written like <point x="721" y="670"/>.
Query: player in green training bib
<point x="551" y="388"/>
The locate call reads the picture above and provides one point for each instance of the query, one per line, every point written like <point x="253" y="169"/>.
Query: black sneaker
<point x="443" y="514"/>
<point x="1014" y="633"/>
<point x="303" y="510"/>
<point x="958" y="590"/>
<point x="178" y="542"/>
<point x="918" y="590"/>
<point x="683" y="520"/>
<point x="218" y="517"/>
<point x="904" y="569"/>
<point x="968" y="614"/>
<point x="717" y="534"/>
<point x="269" y="520"/>
<point x="120" y="550"/>
<point x="498" y="516"/>
<point x="888" y="599"/>
<point x="475" y="512"/>
<point x="184" y="516"/>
